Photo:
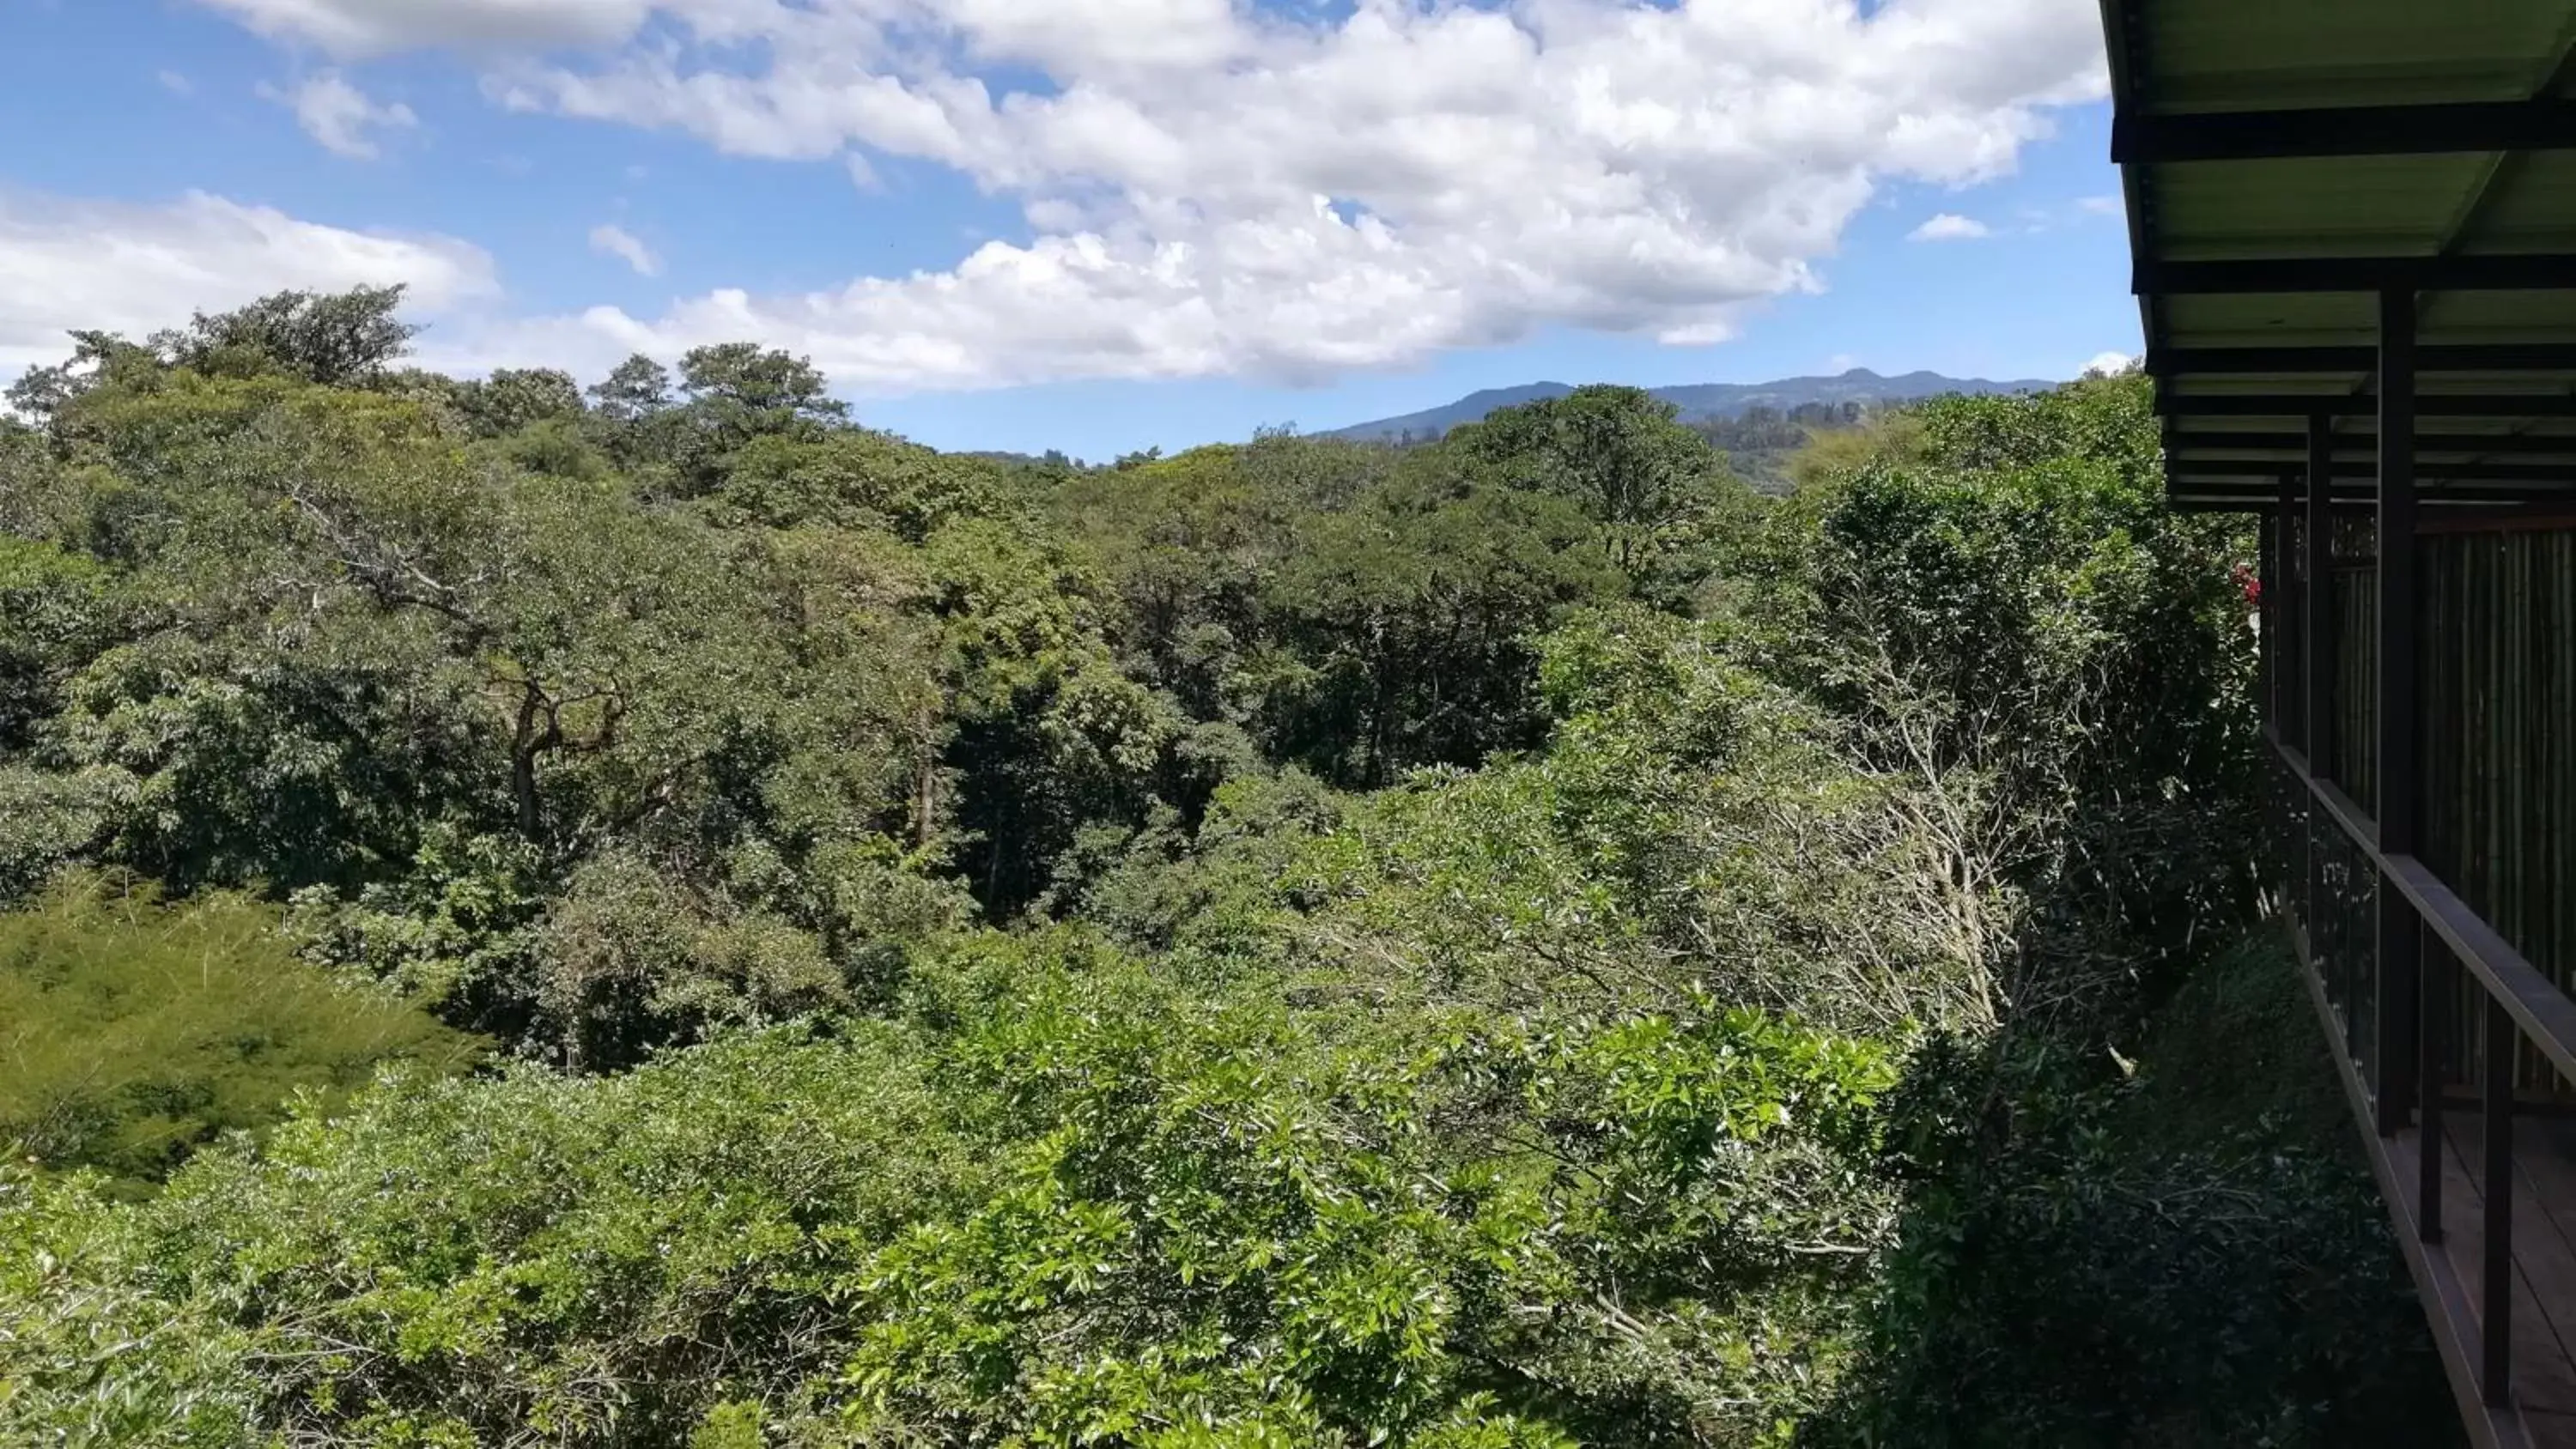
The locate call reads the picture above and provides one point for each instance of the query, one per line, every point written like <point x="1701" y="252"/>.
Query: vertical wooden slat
<point x="2394" y="960"/>
<point x="2497" y="772"/>
<point x="2318" y="628"/>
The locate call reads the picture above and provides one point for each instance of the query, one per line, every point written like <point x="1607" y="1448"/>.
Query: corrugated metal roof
<point x="2220" y="55"/>
<point x="2175" y="58"/>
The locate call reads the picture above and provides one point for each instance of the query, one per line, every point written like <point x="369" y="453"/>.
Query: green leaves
<point x="1087" y="1209"/>
<point x="976" y="1006"/>
<point x="1267" y="1197"/>
<point x="90" y="1354"/>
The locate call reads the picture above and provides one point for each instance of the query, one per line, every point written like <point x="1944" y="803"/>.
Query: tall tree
<point x="1616" y="451"/>
<point x="337" y="339"/>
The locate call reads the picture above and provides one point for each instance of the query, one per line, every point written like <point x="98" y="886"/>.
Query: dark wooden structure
<point x="2354" y="226"/>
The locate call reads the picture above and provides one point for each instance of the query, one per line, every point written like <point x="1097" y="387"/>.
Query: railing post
<point x="2496" y="1324"/>
<point x="2432" y="1018"/>
<point x="2393" y="995"/>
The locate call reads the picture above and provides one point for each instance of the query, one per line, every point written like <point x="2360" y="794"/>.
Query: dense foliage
<point x="135" y="1032"/>
<point x="1520" y="941"/>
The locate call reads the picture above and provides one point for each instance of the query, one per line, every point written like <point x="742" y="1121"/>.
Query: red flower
<point x="2252" y="586"/>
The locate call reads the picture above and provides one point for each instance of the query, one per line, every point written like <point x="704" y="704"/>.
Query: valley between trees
<point x="657" y="914"/>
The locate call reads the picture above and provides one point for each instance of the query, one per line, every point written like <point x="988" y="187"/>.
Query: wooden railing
<point x="2400" y="1048"/>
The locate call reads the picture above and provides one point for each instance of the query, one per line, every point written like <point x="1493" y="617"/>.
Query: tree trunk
<point x="524" y="745"/>
<point x="925" y="785"/>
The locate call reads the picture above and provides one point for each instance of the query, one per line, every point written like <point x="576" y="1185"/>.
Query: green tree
<point x="339" y="339"/>
<point x="1407" y="622"/>
<point x="513" y="399"/>
<point x="1616" y="451"/>
<point x="634" y="390"/>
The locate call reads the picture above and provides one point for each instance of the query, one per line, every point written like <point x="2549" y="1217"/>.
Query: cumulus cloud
<point x="1215" y="188"/>
<point x="134" y="269"/>
<point x="611" y="240"/>
<point x="339" y="115"/>
<point x="2105" y="364"/>
<point x="1950" y="226"/>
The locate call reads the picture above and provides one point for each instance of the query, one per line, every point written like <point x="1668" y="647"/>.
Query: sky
<point x="1094" y="225"/>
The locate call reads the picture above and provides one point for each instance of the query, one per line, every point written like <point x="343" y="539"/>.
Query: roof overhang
<point x="2288" y="162"/>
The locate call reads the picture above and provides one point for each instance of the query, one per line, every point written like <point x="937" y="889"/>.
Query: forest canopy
<point x="718" y="925"/>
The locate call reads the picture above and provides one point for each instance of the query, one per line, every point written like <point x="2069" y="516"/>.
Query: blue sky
<point x="1097" y="225"/>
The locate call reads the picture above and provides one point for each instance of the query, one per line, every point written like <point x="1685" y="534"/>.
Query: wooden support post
<point x="2496" y="1266"/>
<point x="2314" y="686"/>
<point x="2393" y="997"/>
<point x="2287" y="655"/>
<point x="2296" y="674"/>
<point x="2267" y="635"/>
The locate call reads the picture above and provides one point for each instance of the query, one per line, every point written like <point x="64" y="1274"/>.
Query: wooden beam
<point x="2435" y="516"/>
<point x="2301" y="405"/>
<point x="2365" y="445"/>
<point x="2546" y="124"/>
<point x="2448" y="501"/>
<point x="2539" y="475"/>
<point x="2395" y="800"/>
<point x="2457" y="357"/>
<point x="2542" y="1013"/>
<point x="2484" y="272"/>
<point x="2495" y="518"/>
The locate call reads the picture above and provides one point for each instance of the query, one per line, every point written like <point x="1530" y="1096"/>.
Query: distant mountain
<point x="1433" y="422"/>
<point x="1703" y="402"/>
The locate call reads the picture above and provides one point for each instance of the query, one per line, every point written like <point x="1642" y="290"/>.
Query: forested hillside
<point x="1517" y="942"/>
<point x="1708" y="406"/>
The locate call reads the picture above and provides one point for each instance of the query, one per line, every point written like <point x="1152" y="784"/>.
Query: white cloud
<point x="1950" y="226"/>
<point x="339" y="115"/>
<point x="2101" y="205"/>
<point x="2107" y="363"/>
<point x="372" y="27"/>
<point x="175" y="83"/>
<point x="133" y="269"/>
<point x="611" y="240"/>
<point x="1213" y="188"/>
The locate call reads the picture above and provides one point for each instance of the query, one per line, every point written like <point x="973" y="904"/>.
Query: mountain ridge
<point x="1701" y="402"/>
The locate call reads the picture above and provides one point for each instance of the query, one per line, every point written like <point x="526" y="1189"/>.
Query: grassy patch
<point x="132" y="1031"/>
